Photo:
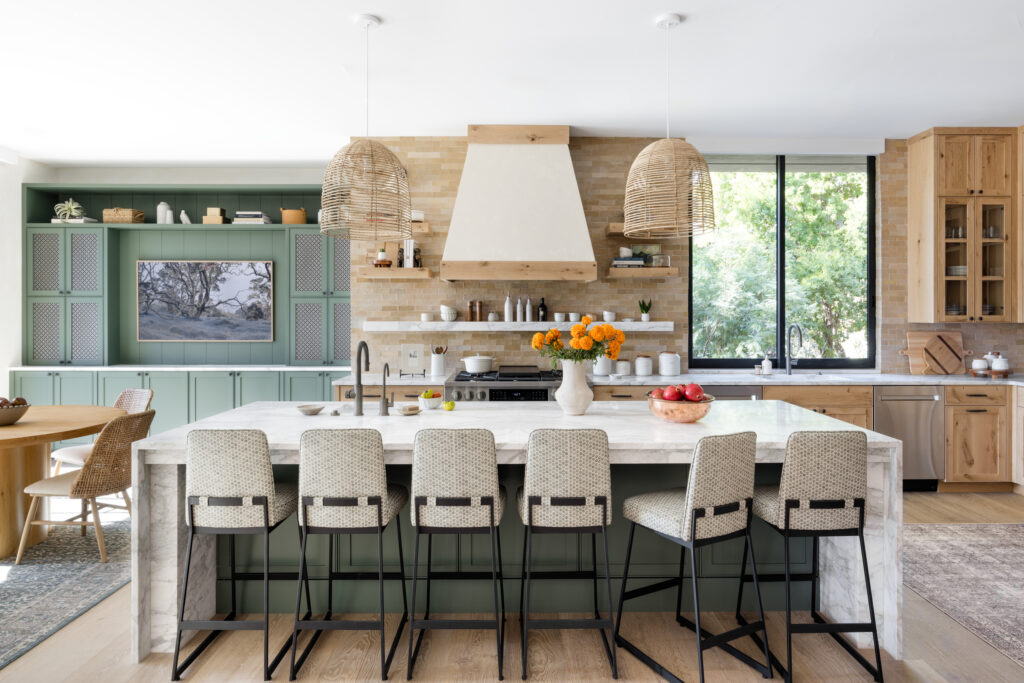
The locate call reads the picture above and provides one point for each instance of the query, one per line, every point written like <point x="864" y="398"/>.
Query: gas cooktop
<point x="511" y="373"/>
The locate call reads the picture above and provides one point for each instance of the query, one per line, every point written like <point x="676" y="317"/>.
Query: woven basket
<point x="668" y="192"/>
<point x="366" y="194"/>
<point x="120" y="215"/>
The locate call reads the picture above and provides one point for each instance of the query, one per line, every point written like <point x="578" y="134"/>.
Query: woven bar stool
<point x="455" y="490"/>
<point x="715" y="506"/>
<point x="343" y="489"/>
<point x="131" y="401"/>
<point x="567" y="489"/>
<point x="230" y="490"/>
<point x="821" y="493"/>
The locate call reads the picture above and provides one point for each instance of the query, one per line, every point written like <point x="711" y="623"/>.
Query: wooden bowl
<point x="309" y="409"/>
<point x="12" y="414"/>
<point x="680" y="411"/>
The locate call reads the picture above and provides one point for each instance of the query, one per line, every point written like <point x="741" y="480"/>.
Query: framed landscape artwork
<point x="205" y="301"/>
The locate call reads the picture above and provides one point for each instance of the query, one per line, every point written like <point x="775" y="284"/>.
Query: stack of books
<point x="251" y="217"/>
<point x="628" y="262"/>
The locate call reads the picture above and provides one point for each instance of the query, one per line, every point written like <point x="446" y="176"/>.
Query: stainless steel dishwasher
<point x="734" y="392"/>
<point x="916" y="416"/>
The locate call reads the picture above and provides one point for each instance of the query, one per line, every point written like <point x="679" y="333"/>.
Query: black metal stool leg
<point x="871" y="607"/>
<point x="749" y="542"/>
<point x="625" y="578"/>
<point x="412" y="607"/>
<point x="380" y="600"/>
<point x="234" y="572"/>
<point x="696" y="612"/>
<point x="682" y="574"/>
<point x="608" y="588"/>
<point x="522" y="571"/>
<point x="524" y="614"/>
<point x="266" y="605"/>
<point x="498" y="630"/>
<point x="501" y="580"/>
<point x="175" y="676"/>
<point x="788" y="675"/>
<point x="292" y="672"/>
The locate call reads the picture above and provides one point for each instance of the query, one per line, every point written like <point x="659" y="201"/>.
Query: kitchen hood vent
<point x="518" y="213"/>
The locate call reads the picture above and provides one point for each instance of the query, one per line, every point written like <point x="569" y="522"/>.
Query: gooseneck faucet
<point x="384" y="392"/>
<point x="790" y="361"/>
<point x="362" y="363"/>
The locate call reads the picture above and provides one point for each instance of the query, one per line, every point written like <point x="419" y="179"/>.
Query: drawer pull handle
<point x="976" y="410"/>
<point x="622" y="395"/>
<point x="977" y="395"/>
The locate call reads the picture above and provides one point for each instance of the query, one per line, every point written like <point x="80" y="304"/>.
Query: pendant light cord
<point x="668" y="78"/>
<point x="366" y="79"/>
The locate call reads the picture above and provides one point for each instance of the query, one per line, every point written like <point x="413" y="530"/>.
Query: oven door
<point x="502" y="394"/>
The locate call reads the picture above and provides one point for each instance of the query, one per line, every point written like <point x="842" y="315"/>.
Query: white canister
<point x="603" y="365"/>
<point x="979" y="364"/>
<point x="622" y="367"/>
<point x="1000" y="364"/>
<point x="669" y="363"/>
<point x="437" y="364"/>
<point x="644" y="366"/>
<point x="426" y="317"/>
<point x="574" y="317"/>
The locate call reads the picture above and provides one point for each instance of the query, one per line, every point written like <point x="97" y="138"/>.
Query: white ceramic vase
<point x="645" y="317"/>
<point x="574" y="395"/>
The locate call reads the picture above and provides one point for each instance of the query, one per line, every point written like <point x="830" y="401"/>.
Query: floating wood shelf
<point x="641" y="273"/>
<point x="421" y="228"/>
<point x="371" y="273"/>
<point x="466" y="326"/>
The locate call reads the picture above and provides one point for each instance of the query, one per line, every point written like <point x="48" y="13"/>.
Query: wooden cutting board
<point x="938" y="352"/>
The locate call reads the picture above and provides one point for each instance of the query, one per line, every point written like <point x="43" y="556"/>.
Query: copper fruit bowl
<point x="680" y="411"/>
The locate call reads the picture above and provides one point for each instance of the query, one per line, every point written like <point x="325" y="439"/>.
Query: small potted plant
<point x="645" y="310"/>
<point x="68" y="210"/>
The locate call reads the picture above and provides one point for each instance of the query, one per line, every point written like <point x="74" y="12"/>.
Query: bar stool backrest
<point x="454" y="463"/>
<point x="824" y="466"/>
<point x="568" y="463"/>
<point x="722" y="473"/>
<point x="108" y="469"/>
<point x="229" y="463"/>
<point x="134" y="400"/>
<point x="341" y="463"/>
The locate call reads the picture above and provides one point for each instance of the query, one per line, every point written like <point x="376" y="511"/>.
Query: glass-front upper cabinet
<point x="956" y="263"/>
<point x="992" y="253"/>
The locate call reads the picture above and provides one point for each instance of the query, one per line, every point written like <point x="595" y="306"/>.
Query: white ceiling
<point x="255" y="81"/>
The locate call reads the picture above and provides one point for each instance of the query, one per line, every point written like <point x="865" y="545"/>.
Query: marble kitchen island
<point x="646" y="453"/>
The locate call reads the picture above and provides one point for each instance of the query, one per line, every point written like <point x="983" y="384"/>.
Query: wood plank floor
<point x="95" y="646"/>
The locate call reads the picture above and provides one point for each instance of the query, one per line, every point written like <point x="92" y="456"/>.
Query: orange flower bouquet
<point x="583" y="346"/>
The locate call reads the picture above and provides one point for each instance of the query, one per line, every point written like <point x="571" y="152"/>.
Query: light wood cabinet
<point x="977" y="434"/>
<point x="962" y="243"/>
<point x="624" y="393"/>
<point x="853" y="404"/>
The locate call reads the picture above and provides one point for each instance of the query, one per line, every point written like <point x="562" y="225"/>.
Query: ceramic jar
<point x="669" y="364"/>
<point x="574" y="395"/>
<point x="603" y="365"/>
<point x="644" y="366"/>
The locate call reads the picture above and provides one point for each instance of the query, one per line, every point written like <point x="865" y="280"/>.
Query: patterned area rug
<point x="58" y="580"/>
<point x="975" y="574"/>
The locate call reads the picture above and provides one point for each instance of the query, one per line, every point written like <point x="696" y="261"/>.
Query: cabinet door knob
<point x="971" y="191"/>
<point x="138" y="374"/>
<point x="981" y="191"/>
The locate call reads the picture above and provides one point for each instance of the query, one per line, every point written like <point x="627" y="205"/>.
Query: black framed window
<point x="794" y="244"/>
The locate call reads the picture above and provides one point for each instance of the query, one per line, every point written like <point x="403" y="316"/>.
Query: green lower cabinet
<point x="109" y="385"/>
<point x="170" y="399"/>
<point x="257" y="386"/>
<point x="304" y="386"/>
<point x="210" y="393"/>
<point x="35" y="387"/>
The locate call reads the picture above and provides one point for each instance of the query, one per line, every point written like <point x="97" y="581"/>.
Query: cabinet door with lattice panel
<point x="309" y="321"/>
<point x="83" y="261"/>
<point x="44" y="326"/>
<point x="84" y="325"/>
<point x="44" y="269"/>
<point x="308" y="251"/>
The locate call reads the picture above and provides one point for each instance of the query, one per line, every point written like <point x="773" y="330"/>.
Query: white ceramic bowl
<point x="559" y="317"/>
<point x="309" y="409"/>
<point x="574" y="317"/>
<point x="430" y="403"/>
<point x="609" y="316"/>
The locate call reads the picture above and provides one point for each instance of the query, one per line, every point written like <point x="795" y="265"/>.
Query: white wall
<point x="11" y="178"/>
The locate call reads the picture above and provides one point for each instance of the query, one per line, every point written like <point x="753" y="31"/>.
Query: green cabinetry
<point x="320" y="305"/>
<point x="170" y="393"/>
<point x="214" y="392"/>
<point x="64" y="330"/>
<point x="310" y="386"/>
<point x="64" y="261"/>
<point x="47" y="388"/>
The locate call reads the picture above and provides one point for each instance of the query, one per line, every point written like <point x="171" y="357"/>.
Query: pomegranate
<point x="693" y="392"/>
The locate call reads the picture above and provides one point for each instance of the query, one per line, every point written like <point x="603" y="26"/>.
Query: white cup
<point x="559" y="317"/>
<point x="426" y="317"/>
<point x="574" y="317"/>
<point x="609" y="316"/>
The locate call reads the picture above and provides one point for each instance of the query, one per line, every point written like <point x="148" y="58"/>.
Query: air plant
<point x="68" y="209"/>
<point x="645" y="306"/>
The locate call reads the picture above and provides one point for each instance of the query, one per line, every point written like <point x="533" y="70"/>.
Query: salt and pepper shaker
<point x="478" y="310"/>
<point x="469" y="311"/>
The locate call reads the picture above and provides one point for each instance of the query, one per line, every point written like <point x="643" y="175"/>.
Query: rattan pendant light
<point x="668" y="189"/>
<point x="366" y="188"/>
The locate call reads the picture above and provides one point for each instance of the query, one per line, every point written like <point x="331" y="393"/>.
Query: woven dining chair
<point x="106" y="471"/>
<point x="567" y="489"/>
<point x="343" y="489"/>
<point x="130" y="401"/>
<point x="822" y="492"/>
<point x="455" y="490"/>
<point x="230" y="490"/>
<point x="715" y="506"/>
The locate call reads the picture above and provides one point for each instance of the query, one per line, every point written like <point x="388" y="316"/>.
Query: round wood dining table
<point x="25" y="458"/>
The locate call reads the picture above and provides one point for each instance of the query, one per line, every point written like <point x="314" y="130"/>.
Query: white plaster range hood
<point x="518" y="213"/>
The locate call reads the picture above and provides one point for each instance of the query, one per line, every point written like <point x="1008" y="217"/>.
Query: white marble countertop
<point x="635" y="435"/>
<point x="823" y="378"/>
<point x="181" y="368"/>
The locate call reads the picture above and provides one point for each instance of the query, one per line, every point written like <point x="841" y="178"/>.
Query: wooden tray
<point x="917" y="340"/>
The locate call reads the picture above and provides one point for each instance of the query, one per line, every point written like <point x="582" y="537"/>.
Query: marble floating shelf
<point x="370" y="273"/>
<point x="464" y="326"/>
